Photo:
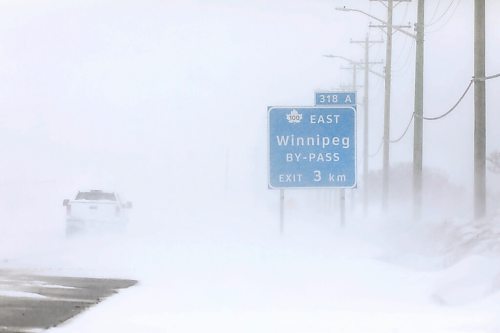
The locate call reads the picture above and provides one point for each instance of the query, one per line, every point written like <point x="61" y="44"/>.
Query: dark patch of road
<point x="35" y="302"/>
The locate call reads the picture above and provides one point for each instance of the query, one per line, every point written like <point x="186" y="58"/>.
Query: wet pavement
<point x="33" y="303"/>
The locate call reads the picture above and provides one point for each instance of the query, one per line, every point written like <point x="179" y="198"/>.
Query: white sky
<point x="170" y="97"/>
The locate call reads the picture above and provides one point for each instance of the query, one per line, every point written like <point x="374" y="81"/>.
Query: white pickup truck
<point x="96" y="210"/>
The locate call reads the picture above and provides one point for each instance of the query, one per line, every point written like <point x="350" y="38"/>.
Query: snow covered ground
<point x="239" y="275"/>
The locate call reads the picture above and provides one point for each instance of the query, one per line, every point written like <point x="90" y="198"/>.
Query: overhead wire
<point x="437" y="117"/>
<point x="448" y="19"/>
<point x="405" y="51"/>
<point x="454" y="106"/>
<point x="436" y="10"/>
<point x="378" y="149"/>
<point x="405" y="15"/>
<point x="405" y="131"/>
<point x="404" y="67"/>
<point x="402" y="50"/>
<point x="432" y="21"/>
<point x="463" y="96"/>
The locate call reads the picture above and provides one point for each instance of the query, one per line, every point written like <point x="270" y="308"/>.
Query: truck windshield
<point x="95" y="195"/>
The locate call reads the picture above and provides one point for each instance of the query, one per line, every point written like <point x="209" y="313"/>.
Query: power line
<point x="463" y="95"/>
<point x="402" y="51"/>
<point x="378" y="149"/>
<point x="440" y="16"/>
<point x="406" y="130"/>
<point x="447" y="112"/>
<point x="436" y="9"/>
<point x="448" y="20"/>
<point x="403" y="68"/>
<point x="454" y="106"/>
<point x="405" y="15"/>
<point x="396" y="140"/>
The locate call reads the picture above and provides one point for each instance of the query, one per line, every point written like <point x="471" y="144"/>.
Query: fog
<point x="166" y="102"/>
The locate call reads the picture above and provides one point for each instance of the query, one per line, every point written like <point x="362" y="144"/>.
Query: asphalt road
<point x="35" y="302"/>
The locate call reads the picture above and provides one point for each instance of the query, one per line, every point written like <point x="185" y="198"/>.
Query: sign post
<point x="282" y="212"/>
<point x="312" y="147"/>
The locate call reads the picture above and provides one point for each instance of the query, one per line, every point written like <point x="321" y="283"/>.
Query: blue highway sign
<point x="335" y="98"/>
<point x="311" y="147"/>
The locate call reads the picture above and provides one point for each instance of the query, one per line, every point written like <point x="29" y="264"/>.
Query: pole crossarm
<point x="376" y="73"/>
<point x="346" y="9"/>
<point x="359" y="64"/>
<point x="349" y="87"/>
<point x="352" y="62"/>
<point x="362" y="65"/>
<point x="407" y="26"/>
<point x="356" y="67"/>
<point x="369" y="42"/>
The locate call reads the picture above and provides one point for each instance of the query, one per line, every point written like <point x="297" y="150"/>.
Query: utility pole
<point x="479" y="110"/>
<point x="355" y="66"/>
<point x="387" y="106"/>
<point x="366" y="116"/>
<point x="418" y="112"/>
<point x="387" y="98"/>
<point x="354" y="69"/>
<point x="388" y="75"/>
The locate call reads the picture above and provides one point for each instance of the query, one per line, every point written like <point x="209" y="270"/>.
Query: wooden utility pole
<point x="355" y="65"/>
<point x="387" y="97"/>
<point x="366" y="116"/>
<point x="354" y="86"/>
<point x="387" y="106"/>
<point x="418" y="113"/>
<point x="388" y="25"/>
<point x="479" y="110"/>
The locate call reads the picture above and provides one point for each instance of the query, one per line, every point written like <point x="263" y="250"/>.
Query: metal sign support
<point x="282" y="212"/>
